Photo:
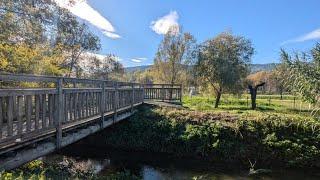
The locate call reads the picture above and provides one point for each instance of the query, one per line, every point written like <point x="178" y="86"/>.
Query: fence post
<point x="115" y="103"/>
<point x="294" y="102"/>
<point x="102" y="103"/>
<point x="132" y="98"/>
<point x="59" y="118"/>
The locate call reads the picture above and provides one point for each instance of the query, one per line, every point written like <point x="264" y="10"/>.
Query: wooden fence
<point x="164" y="92"/>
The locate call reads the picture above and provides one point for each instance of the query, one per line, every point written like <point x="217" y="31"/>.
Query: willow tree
<point x="172" y="55"/>
<point x="223" y="63"/>
<point x="303" y="74"/>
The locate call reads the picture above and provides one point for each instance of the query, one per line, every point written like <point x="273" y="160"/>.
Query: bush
<point x="269" y="139"/>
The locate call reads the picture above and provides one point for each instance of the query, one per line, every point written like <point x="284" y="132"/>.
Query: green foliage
<point x="76" y="39"/>
<point x="39" y="37"/>
<point x="269" y="139"/>
<point x="22" y="58"/>
<point x="107" y="68"/>
<point x="223" y="63"/>
<point x="303" y="73"/>
<point x="39" y="170"/>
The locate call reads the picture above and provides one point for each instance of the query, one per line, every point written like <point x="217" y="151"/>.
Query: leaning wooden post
<point x="132" y="99"/>
<point x="115" y="103"/>
<point x="102" y="103"/>
<point x="59" y="109"/>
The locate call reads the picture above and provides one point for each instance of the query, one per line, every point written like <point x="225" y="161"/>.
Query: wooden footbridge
<point x="41" y="114"/>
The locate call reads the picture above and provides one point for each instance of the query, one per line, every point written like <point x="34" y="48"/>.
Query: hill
<point x="262" y="67"/>
<point x="136" y="68"/>
<point x="254" y="67"/>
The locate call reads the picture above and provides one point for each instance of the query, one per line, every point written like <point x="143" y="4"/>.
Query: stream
<point x="158" y="166"/>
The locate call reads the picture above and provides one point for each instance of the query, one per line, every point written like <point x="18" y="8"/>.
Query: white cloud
<point x="142" y="58"/>
<point x="83" y="10"/>
<point x="111" y="35"/>
<point x="138" y="60"/>
<point x="165" y="23"/>
<point x="309" y="36"/>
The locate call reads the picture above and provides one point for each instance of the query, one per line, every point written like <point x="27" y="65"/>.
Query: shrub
<point x="268" y="139"/>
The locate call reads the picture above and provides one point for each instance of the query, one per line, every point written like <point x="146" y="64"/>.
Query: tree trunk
<point x="253" y="93"/>
<point x="217" y="99"/>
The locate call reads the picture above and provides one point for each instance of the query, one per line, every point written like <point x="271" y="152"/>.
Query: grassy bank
<point x="269" y="140"/>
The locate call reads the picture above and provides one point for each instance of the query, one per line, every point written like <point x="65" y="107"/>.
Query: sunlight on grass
<point x="289" y="105"/>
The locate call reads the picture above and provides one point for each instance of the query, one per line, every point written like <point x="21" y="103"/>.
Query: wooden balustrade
<point x="31" y="113"/>
<point x="164" y="92"/>
<point x="60" y="104"/>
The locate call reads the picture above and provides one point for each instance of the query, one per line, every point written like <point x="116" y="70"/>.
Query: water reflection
<point x="150" y="166"/>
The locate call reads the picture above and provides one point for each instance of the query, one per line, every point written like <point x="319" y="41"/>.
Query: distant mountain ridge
<point x="254" y="67"/>
<point x="137" y="68"/>
<point x="263" y="67"/>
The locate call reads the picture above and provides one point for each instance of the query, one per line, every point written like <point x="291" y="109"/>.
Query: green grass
<point x="290" y="105"/>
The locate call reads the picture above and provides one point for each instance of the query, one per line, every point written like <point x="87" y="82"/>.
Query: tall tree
<point x="106" y="68"/>
<point x="35" y="24"/>
<point x="26" y="21"/>
<point x="172" y="55"/>
<point x="76" y="39"/>
<point x="223" y="63"/>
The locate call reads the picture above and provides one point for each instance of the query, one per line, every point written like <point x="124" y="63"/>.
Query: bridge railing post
<point x="180" y="93"/>
<point x="59" y="108"/>
<point x="102" y="102"/>
<point x="143" y="95"/>
<point x="162" y="93"/>
<point x="132" y="98"/>
<point x="116" y="101"/>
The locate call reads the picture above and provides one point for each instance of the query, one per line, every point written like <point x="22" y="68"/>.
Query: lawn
<point x="241" y="105"/>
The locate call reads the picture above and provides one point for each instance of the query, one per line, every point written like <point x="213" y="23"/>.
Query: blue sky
<point x="125" y="26"/>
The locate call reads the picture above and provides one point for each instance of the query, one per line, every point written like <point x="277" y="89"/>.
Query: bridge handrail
<point x="27" y="114"/>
